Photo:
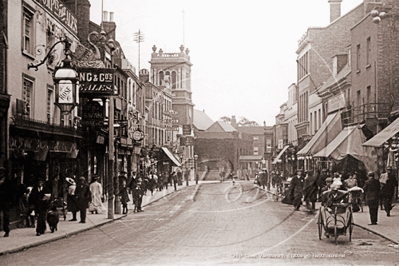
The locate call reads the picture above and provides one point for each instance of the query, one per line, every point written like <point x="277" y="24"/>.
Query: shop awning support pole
<point x="111" y="158"/>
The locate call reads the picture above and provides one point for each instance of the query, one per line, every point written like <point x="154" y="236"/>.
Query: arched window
<point x="174" y="80"/>
<point x="160" y="78"/>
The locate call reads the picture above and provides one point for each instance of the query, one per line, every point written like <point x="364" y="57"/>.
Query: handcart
<point x="336" y="218"/>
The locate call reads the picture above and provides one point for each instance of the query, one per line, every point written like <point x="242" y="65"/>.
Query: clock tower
<point x="173" y="70"/>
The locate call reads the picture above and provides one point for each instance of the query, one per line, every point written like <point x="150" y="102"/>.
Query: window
<point x="27" y="30"/>
<point x="49" y="103"/>
<point x="311" y="124"/>
<point x="303" y="66"/>
<point x="256" y="138"/>
<point x="358" y="98"/>
<point x="27" y="93"/>
<point x="256" y="150"/>
<point x="368" y="51"/>
<point x="174" y="80"/>
<point x="358" y="57"/>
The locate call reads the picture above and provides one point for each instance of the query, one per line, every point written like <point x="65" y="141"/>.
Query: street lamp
<point x="66" y="87"/>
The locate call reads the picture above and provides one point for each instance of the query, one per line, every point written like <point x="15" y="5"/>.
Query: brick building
<point x="221" y="145"/>
<point x="314" y="64"/>
<point x="375" y="71"/>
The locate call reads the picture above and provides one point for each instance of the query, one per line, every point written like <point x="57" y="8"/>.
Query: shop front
<point x="42" y="151"/>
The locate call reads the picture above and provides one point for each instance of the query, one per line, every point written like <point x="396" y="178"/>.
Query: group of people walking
<point x="378" y="191"/>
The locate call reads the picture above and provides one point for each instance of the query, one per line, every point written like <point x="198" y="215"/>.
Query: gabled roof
<point x="201" y="120"/>
<point x="220" y="126"/>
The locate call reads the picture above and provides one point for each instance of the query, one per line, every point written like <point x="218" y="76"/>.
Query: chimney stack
<point x="335" y="9"/>
<point x="109" y="25"/>
<point x="233" y="121"/>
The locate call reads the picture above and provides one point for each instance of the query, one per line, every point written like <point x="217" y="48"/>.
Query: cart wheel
<point x="336" y="235"/>
<point x="320" y="225"/>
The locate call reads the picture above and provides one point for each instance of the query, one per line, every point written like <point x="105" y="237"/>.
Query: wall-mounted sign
<point x="96" y="81"/>
<point x="92" y="114"/>
<point x="61" y="12"/>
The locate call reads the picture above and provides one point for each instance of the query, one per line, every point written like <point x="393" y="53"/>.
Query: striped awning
<point x="388" y="132"/>
<point x="277" y="159"/>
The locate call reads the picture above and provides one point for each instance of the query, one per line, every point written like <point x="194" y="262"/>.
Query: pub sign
<point x="99" y="81"/>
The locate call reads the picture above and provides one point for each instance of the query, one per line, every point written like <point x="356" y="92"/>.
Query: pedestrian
<point x="387" y="191"/>
<point x="350" y="182"/>
<point x="96" y="191"/>
<point x="372" y="190"/>
<point x="310" y="190"/>
<point x="71" y="199"/>
<point x="137" y="196"/>
<point x="83" y="197"/>
<point x="7" y="192"/>
<point x="151" y="183"/>
<point x="40" y="202"/>
<point x="179" y="177"/>
<point x="124" y="197"/>
<point x="174" y="179"/>
<point x="296" y="189"/>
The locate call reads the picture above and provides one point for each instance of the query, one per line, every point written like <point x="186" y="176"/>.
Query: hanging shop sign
<point x="138" y="135"/>
<point x="187" y="141"/>
<point x="92" y="114"/>
<point x="97" y="81"/>
<point x="187" y="130"/>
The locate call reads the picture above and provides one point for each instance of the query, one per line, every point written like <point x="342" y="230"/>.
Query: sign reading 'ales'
<point x="97" y="81"/>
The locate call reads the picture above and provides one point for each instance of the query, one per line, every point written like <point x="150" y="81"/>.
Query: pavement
<point x="24" y="238"/>
<point x="386" y="226"/>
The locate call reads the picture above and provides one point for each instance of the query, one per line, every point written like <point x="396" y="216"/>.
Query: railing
<point x="363" y="112"/>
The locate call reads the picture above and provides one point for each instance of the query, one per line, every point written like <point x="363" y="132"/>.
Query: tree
<point x="245" y="122"/>
<point x="225" y="119"/>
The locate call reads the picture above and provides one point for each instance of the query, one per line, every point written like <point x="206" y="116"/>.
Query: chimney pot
<point x="111" y="16"/>
<point x="105" y="16"/>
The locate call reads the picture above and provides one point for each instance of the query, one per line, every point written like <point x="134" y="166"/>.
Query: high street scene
<point x="199" y="132"/>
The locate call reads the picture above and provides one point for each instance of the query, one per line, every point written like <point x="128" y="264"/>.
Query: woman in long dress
<point x="96" y="205"/>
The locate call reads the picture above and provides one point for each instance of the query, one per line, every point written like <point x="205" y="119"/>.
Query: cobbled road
<point x="225" y="225"/>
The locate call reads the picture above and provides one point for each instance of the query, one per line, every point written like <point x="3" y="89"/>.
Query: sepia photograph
<point x="188" y="132"/>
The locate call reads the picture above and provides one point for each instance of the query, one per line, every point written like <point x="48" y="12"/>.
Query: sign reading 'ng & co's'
<point x="96" y="81"/>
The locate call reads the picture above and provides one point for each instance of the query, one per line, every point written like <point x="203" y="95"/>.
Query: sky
<point x="243" y="52"/>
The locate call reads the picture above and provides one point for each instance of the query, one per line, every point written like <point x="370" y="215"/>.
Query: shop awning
<point x="171" y="156"/>
<point x="349" y="142"/>
<point x="388" y="132"/>
<point x="326" y="133"/>
<point x="279" y="155"/>
<point x="251" y="158"/>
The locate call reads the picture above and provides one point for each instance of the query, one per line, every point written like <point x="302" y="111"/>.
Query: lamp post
<point x="195" y="168"/>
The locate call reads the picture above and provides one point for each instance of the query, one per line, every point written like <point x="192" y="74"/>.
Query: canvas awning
<point x="349" y="142"/>
<point x="171" y="156"/>
<point x="251" y="158"/>
<point x="279" y="155"/>
<point x="326" y="133"/>
<point x="388" y="132"/>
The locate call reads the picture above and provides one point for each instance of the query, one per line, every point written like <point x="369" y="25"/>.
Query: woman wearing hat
<point x="71" y="199"/>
